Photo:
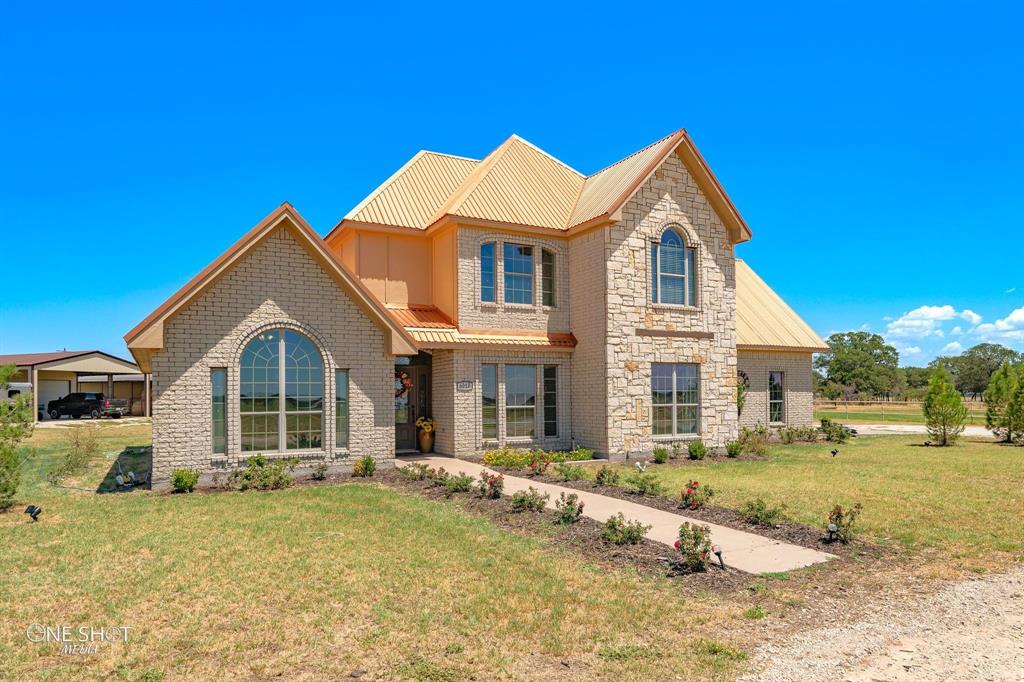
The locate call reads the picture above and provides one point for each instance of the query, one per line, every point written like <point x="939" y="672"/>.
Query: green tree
<point x="972" y="370"/>
<point x="862" y="361"/>
<point x="1000" y="391"/>
<point x="16" y="424"/>
<point x="944" y="409"/>
<point x="1014" y="416"/>
<point x="917" y="377"/>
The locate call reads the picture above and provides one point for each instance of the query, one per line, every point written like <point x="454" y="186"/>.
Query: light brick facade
<point x="277" y="285"/>
<point x="798" y="394"/>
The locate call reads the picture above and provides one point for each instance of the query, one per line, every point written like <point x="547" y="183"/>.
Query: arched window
<point x="281" y="363"/>
<point x="673" y="270"/>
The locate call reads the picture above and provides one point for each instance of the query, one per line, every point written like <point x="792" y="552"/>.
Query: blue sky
<point x="875" y="150"/>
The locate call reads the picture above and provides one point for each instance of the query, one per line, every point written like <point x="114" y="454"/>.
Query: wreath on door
<point x="403" y="384"/>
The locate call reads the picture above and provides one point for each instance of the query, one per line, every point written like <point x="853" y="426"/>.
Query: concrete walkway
<point x="745" y="551"/>
<point x="905" y="429"/>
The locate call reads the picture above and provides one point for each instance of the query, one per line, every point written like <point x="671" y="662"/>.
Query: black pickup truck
<point x="93" y="404"/>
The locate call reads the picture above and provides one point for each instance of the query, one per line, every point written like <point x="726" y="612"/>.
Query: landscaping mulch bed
<point x="647" y="558"/>
<point x="793" y="533"/>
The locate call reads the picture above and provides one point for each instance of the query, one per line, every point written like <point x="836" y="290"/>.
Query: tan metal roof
<point x="415" y="192"/>
<point x="764" y="321"/>
<point x="519" y="184"/>
<point x="420" y="317"/>
<point x="602" y="188"/>
<point x="458" y="338"/>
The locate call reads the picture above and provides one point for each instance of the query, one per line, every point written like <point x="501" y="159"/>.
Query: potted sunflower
<point x="426" y="427"/>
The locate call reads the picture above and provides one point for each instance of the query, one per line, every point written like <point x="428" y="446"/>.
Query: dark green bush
<point x="460" y="483"/>
<point x="320" y="471"/>
<point x="570" y="472"/>
<point x="660" y="455"/>
<point x="529" y="500"/>
<point x="619" y="531"/>
<point x="184" y="480"/>
<point x="733" y="448"/>
<point x="607" y="475"/>
<point x="696" y="449"/>
<point x="260" y="473"/>
<point x="568" y="508"/>
<point x="761" y="513"/>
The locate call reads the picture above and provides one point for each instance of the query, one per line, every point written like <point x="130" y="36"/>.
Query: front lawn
<point x="318" y="582"/>
<point x="966" y="500"/>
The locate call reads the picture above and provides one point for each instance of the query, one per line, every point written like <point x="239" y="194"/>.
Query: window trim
<point x="674" y="405"/>
<point x="690" y="269"/>
<point x="781" y="401"/>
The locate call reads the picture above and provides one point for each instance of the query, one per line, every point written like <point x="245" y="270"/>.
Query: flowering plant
<point x="694" y="547"/>
<point x="695" y="495"/>
<point x="491" y="485"/>
<point x="426" y="424"/>
<point x="539" y="462"/>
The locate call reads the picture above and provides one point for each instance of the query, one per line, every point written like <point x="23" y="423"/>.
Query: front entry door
<point x="412" y="401"/>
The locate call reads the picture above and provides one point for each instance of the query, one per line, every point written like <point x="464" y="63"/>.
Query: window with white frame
<point x="776" y="397"/>
<point x="675" y="394"/>
<point x="281" y="393"/>
<point x="487" y="273"/>
<point x="673" y="270"/>
<point x="518" y="264"/>
<point x="520" y="400"/>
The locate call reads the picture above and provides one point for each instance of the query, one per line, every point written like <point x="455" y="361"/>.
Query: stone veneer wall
<point x="669" y="197"/>
<point x="458" y="413"/>
<point x="799" y="391"/>
<point x="277" y="285"/>
<point x="473" y="314"/>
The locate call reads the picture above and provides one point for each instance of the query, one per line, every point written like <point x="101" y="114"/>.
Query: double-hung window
<point x="776" y="397"/>
<point x="518" y="264"/>
<point x="487" y="273"/>
<point x="675" y="394"/>
<point x="673" y="270"/>
<point x="520" y="400"/>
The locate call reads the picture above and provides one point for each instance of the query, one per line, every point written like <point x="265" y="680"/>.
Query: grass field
<point x="316" y="582"/>
<point x="875" y="413"/>
<point x="967" y="500"/>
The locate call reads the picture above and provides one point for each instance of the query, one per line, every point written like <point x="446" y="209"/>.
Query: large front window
<point x="520" y="400"/>
<point x="673" y="268"/>
<point x="281" y="393"/>
<point x="518" y="262"/>
<point x="675" y="393"/>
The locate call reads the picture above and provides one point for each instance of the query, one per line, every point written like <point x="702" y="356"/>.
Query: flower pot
<point x="426" y="441"/>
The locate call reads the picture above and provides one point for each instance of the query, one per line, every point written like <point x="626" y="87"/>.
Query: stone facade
<point x="704" y="333"/>
<point x="755" y="365"/>
<point x="277" y="285"/>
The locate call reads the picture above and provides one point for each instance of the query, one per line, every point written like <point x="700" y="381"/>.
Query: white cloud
<point x="971" y="316"/>
<point x="865" y="327"/>
<point x="956" y="331"/>
<point x="952" y="348"/>
<point x="927" y="321"/>
<point x="1010" y="290"/>
<point x="910" y="350"/>
<point x="1010" y="327"/>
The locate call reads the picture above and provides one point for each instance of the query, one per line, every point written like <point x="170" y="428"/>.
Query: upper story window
<point x="487" y="272"/>
<point x="673" y="270"/>
<point x="518" y="262"/>
<point x="547" y="278"/>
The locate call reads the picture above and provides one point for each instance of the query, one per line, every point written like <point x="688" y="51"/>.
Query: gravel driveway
<point x="972" y="630"/>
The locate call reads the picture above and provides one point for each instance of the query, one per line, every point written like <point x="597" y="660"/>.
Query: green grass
<point x="967" y="500"/>
<point x="319" y="581"/>
<point x="895" y="413"/>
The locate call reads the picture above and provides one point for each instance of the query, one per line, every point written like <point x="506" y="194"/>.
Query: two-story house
<point x="515" y="300"/>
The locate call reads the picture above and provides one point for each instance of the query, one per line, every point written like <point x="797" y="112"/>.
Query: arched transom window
<point x="281" y="363"/>
<point x="673" y="270"/>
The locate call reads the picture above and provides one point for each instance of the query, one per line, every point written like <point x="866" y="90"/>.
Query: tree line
<point x="862" y="366"/>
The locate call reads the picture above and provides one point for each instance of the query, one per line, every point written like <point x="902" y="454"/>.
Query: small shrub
<point x="695" y="495"/>
<point x="834" y="431"/>
<point x="460" y="483"/>
<point x="260" y="473"/>
<point x="793" y="434"/>
<point x="364" y="467"/>
<point x="733" y="448"/>
<point x="82" y="446"/>
<point x="619" y="531"/>
<point x="184" y="480"/>
<point x="754" y="441"/>
<point x="568" y="509"/>
<point x="491" y="485"/>
<point x="578" y="454"/>
<point x="761" y="513"/>
<point x="415" y="471"/>
<point x="529" y="500"/>
<point x="754" y="613"/>
<point x="511" y="458"/>
<point x="607" y="475"/>
<point x="696" y="449"/>
<point x="694" y="547"/>
<point x="660" y="455"/>
<point x="644" y="483"/>
<point x="438" y="476"/>
<point x="570" y="472"/>
<point x="841" y="522"/>
<point x="320" y="471"/>
<point x="539" y="462"/>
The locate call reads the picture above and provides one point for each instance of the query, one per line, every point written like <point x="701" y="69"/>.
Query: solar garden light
<point x="832" y="530"/>
<point x="835" y="452"/>
<point x="33" y="511"/>
<point x="717" y="551"/>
